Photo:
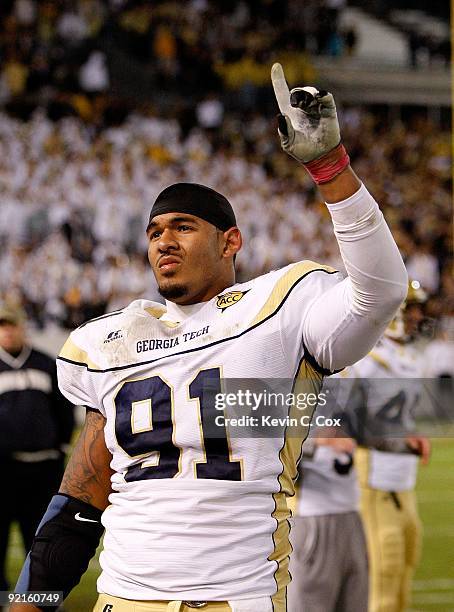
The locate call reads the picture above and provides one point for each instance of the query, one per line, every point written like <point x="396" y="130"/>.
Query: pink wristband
<point x="325" y="168"/>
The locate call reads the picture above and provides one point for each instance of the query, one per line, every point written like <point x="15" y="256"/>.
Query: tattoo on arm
<point x="87" y="475"/>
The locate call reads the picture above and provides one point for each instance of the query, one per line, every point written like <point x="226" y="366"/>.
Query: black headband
<point x="197" y="200"/>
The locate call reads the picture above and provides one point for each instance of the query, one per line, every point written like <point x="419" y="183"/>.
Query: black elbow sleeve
<point x="65" y="541"/>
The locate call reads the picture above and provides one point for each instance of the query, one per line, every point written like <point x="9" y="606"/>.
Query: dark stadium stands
<point x="105" y="103"/>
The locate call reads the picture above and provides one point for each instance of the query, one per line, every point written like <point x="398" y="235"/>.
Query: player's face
<point x="11" y="337"/>
<point x="191" y="259"/>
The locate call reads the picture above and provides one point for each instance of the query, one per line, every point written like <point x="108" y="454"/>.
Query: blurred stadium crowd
<point x="80" y="167"/>
<point x="58" y="49"/>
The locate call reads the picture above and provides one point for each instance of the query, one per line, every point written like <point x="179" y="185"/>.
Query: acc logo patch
<point x="229" y="299"/>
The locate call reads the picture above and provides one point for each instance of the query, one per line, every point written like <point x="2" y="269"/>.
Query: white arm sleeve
<point x="345" y="322"/>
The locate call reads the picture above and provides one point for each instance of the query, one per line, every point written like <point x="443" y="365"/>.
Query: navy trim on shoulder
<point x="105" y="316"/>
<point x="91" y="409"/>
<point x="199" y="348"/>
<point x="312" y="362"/>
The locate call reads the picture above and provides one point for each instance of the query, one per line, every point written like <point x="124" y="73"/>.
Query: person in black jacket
<point x="36" y="424"/>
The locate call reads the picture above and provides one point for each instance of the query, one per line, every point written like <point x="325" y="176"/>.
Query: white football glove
<point x="308" y="126"/>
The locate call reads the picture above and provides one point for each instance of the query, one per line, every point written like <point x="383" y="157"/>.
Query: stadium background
<point x="103" y="103"/>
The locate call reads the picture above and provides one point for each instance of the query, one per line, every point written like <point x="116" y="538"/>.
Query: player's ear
<point x="233" y="241"/>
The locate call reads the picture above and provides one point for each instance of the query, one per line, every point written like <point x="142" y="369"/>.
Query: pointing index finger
<point x="280" y="87"/>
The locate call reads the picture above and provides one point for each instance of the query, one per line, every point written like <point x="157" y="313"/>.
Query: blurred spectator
<point x="25" y="12"/>
<point x="14" y="75"/>
<point x="210" y="112"/>
<point x="71" y="26"/>
<point x="36" y="422"/>
<point x="329" y="39"/>
<point x="350" y="36"/>
<point x="93" y="75"/>
<point x="424" y="266"/>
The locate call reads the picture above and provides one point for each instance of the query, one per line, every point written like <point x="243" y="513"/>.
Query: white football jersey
<point x="327" y="485"/>
<point x="389" y="377"/>
<point x="439" y="358"/>
<point x="192" y="518"/>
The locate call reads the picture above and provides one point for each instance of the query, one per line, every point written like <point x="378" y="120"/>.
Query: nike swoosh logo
<point x="81" y="518"/>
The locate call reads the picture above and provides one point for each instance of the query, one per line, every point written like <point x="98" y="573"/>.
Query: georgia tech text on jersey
<point x="154" y="344"/>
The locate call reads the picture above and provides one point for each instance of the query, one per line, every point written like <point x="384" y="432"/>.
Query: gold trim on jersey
<point x="199" y="422"/>
<point x="307" y="380"/>
<point x="153" y="456"/>
<point x="134" y="407"/>
<point x="157" y="313"/>
<point x="362" y="466"/>
<point x="279" y="600"/>
<point x="72" y="352"/>
<point x="284" y="284"/>
<point x="376" y="357"/>
<point x="282" y="547"/>
<point x="292" y="501"/>
<point x="118" y="604"/>
<point x="174" y="423"/>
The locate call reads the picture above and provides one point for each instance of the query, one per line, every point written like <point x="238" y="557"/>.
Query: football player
<point x="329" y="559"/>
<point x="36" y="425"/>
<point x="386" y="391"/>
<point x="192" y="520"/>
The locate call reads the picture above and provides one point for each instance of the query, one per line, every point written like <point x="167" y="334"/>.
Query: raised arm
<point x="70" y="530"/>
<point x="343" y="323"/>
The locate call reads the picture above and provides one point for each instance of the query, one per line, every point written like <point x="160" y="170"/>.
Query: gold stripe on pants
<point x="108" y="603"/>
